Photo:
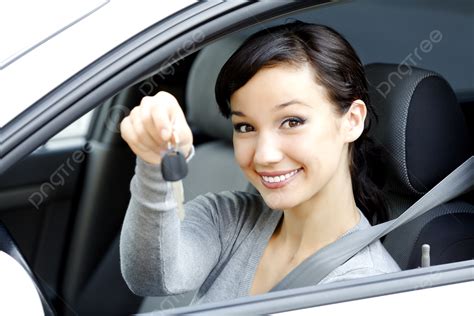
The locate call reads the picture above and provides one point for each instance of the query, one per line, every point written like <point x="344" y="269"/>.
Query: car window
<point x="77" y="129"/>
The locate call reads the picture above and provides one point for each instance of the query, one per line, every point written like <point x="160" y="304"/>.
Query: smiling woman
<point x="301" y="115"/>
<point x="317" y="65"/>
<point x="301" y="112"/>
<point x="233" y="243"/>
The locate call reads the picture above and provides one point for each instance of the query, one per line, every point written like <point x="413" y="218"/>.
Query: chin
<point x="278" y="201"/>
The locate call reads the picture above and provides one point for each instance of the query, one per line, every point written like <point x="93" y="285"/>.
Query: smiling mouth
<point x="279" y="181"/>
<point x="281" y="177"/>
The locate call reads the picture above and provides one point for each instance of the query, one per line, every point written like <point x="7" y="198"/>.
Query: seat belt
<point x="316" y="267"/>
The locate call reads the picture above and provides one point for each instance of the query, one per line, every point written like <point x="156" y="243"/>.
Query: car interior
<point x="69" y="234"/>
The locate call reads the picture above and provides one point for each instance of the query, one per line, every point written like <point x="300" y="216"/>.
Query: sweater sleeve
<point x="159" y="254"/>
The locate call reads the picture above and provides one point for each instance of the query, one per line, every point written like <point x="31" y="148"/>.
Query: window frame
<point x="338" y="292"/>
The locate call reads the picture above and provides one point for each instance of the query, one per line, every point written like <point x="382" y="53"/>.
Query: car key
<point x="174" y="168"/>
<point x="173" y="165"/>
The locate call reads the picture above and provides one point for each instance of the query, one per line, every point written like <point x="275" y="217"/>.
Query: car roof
<point x="59" y="49"/>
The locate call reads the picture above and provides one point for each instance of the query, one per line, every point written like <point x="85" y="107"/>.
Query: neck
<point x="319" y="221"/>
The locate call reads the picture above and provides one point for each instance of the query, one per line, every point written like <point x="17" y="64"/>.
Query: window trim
<point x="338" y="292"/>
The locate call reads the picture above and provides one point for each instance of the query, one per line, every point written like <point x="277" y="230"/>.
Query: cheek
<point x="300" y="150"/>
<point x="327" y="152"/>
<point x="243" y="152"/>
<point x="317" y="147"/>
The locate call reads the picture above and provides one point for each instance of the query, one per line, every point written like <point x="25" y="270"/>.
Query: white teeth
<point x="279" y="178"/>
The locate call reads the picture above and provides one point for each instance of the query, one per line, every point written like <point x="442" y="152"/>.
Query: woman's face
<point x="288" y="139"/>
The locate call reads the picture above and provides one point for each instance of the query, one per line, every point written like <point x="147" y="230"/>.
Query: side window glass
<point x="76" y="130"/>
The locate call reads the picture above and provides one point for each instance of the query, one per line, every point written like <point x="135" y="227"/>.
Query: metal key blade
<point x="178" y="192"/>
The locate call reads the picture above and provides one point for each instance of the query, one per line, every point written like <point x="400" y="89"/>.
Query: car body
<point x="64" y="190"/>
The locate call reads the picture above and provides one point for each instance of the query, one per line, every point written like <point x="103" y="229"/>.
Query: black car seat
<point x="423" y="129"/>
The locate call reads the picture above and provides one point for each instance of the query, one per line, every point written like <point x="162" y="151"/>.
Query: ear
<point x="353" y="121"/>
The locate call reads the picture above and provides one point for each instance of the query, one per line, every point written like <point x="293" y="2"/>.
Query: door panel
<point x="37" y="201"/>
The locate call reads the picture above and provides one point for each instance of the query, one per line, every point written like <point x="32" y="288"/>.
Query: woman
<point x="297" y="98"/>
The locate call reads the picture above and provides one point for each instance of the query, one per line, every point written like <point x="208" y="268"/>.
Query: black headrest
<point x="420" y="124"/>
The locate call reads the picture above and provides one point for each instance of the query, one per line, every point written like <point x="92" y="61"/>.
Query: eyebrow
<point x="277" y="107"/>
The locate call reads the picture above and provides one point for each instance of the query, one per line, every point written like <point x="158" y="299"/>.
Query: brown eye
<point x="242" y="128"/>
<point x="293" y="122"/>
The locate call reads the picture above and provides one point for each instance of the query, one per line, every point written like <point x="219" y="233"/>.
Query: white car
<point x="69" y="71"/>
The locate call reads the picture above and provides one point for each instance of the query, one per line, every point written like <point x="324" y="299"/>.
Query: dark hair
<point x="337" y="68"/>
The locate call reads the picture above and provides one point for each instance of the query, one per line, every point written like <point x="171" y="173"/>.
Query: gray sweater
<point x="216" y="249"/>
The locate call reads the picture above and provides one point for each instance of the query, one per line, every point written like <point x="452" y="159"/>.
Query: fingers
<point x="148" y="128"/>
<point x="143" y="132"/>
<point x="131" y="136"/>
<point x="144" y="115"/>
<point x="166" y="114"/>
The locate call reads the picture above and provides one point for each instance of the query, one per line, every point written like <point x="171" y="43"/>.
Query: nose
<point x="267" y="150"/>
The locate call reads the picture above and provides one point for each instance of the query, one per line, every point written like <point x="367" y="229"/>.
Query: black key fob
<point x="174" y="166"/>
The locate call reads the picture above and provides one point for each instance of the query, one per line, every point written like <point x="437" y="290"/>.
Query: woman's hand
<point x="148" y="128"/>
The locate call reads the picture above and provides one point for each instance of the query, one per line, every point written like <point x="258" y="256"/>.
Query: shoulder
<point x="372" y="260"/>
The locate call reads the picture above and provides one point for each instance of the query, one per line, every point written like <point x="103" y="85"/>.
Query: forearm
<point x="157" y="251"/>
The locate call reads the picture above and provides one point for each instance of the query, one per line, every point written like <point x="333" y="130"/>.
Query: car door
<point x="38" y="201"/>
